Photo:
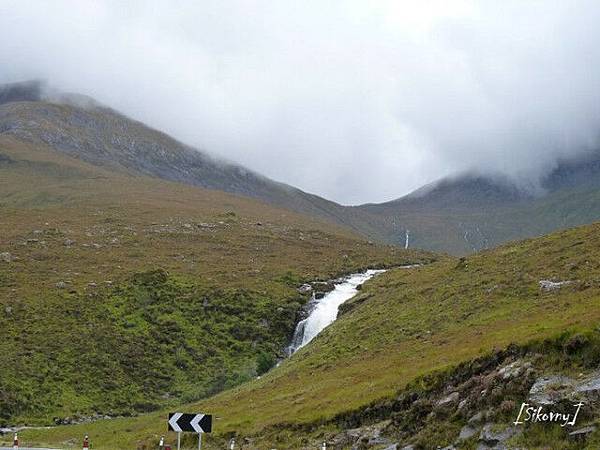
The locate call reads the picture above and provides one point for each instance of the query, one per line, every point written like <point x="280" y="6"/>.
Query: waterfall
<point x="326" y="309"/>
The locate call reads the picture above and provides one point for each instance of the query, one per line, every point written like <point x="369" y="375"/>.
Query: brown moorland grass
<point x="413" y="322"/>
<point x="127" y="279"/>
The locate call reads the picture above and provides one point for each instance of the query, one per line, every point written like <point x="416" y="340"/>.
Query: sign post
<point x="196" y="423"/>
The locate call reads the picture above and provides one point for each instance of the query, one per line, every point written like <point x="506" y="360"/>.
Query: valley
<point x="457" y="215"/>
<point x="138" y="275"/>
<point x="410" y="332"/>
<point x="189" y="285"/>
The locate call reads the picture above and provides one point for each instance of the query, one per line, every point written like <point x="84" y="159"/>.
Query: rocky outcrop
<point x="480" y="401"/>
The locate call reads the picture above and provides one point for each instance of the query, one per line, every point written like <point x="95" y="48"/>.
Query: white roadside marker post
<point x="232" y="444"/>
<point x="161" y="443"/>
<point x="178" y="440"/>
<point x="86" y="442"/>
<point x="324" y="446"/>
<point x="16" y="442"/>
<point x="199" y="441"/>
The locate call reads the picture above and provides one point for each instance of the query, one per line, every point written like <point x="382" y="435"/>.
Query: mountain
<point x="470" y="213"/>
<point x="457" y="215"/>
<point x="432" y="356"/>
<point x="121" y="292"/>
<point x="82" y="128"/>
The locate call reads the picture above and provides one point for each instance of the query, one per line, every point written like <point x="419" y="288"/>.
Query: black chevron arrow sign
<point x="195" y="423"/>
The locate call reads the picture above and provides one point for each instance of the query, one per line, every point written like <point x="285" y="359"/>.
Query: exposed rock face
<point x="550" y="389"/>
<point x="482" y="398"/>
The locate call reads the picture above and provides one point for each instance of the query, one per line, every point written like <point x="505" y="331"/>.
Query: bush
<point x="264" y="362"/>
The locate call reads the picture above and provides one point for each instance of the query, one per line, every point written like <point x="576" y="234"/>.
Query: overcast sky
<point x="358" y="101"/>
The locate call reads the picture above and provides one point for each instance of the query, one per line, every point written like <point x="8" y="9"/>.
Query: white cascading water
<point x="326" y="310"/>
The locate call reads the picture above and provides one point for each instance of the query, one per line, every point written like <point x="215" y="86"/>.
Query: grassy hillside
<point x="473" y="213"/>
<point x="456" y="215"/>
<point x="404" y="325"/>
<point x="122" y="294"/>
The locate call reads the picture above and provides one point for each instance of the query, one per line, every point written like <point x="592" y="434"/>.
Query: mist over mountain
<point x="459" y="214"/>
<point x="354" y="102"/>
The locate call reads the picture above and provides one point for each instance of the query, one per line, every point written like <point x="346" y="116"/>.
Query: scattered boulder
<point x="550" y="389"/>
<point x="549" y="285"/>
<point x="68" y="242"/>
<point x="364" y="437"/>
<point x="492" y="436"/>
<point x="477" y="418"/>
<point x="590" y="387"/>
<point x="305" y="288"/>
<point x="466" y="432"/>
<point x="582" y="433"/>
<point x="6" y="257"/>
<point x="513" y="369"/>
<point x="61" y="285"/>
<point x="452" y="398"/>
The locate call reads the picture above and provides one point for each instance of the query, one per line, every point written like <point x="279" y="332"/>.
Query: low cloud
<point x="356" y="101"/>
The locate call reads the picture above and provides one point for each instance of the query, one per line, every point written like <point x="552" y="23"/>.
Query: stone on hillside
<point x="68" y="242"/>
<point x="513" y="369"/>
<point x="549" y="389"/>
<point x="549" y="285"/>
<point x="477" y="418"/>
<point x="6" y="257"/>
<point x="452" y="398"/>
<point x="492" y="436"/>
<point x="305" y="288"/>
<point x="590" y="387"/>
<point x="582" y="433"/>
<point x="61" y="285"/>
<point x="466" y="432"/>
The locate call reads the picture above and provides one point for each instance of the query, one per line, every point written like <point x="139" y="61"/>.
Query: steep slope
<point x="472" y="212"/>
<point x="434" y="322"/>
<point x="459" y="215"/>
<point x="123" y="294"/>
<point x="101" y="136"/>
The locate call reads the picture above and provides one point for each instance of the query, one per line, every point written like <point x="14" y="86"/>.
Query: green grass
<point x="126" y="294"/>
<point x="412" y="323"/>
